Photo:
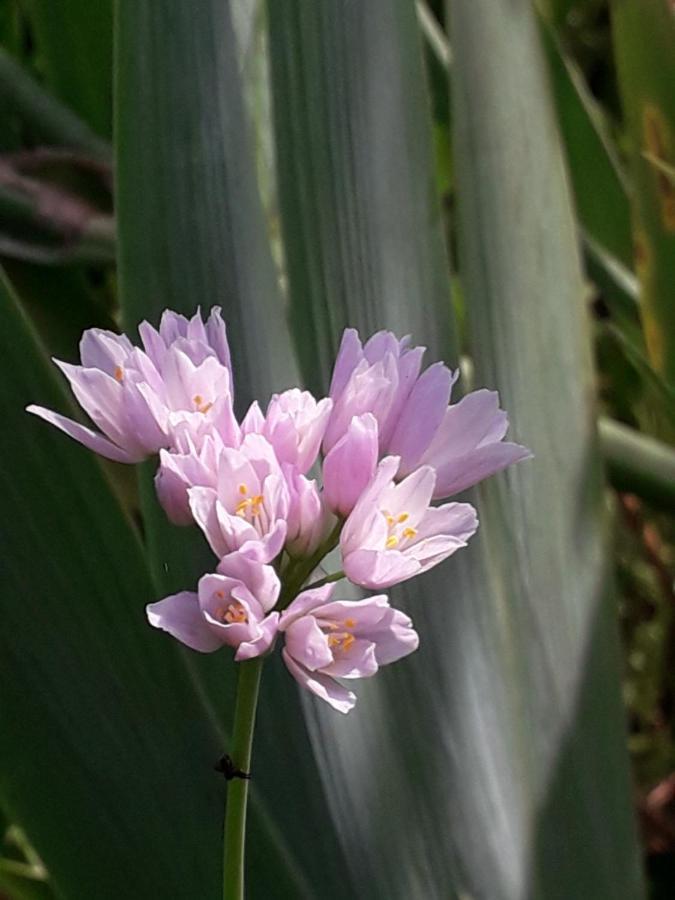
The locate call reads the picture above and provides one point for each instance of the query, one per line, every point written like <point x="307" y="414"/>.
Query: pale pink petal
<point x="152" y="342"/>
<point x="304" y="603"/>
<point x="348" y="357"/>
<point x="379" y="568"/>
<point x="262" y="581"/>
<point x="90" y="439"/>
<point x="250" y="649"/>
<point x="254" y="421"/>
<point x="105" y="350"/>
<point x="100" y="396"/>
<point x="216" y="334"/>
<point x="350" y="464"/>
<point x="421" y="415"/>
<point x="322" y="685"/>
<point x="357" y="662"/>
<point x="365" y="524"/>
<point x="457" y="475"/>
<point x="181" y="617"/>
<point x="394" y="637"/>
<point x="203" y="505"/>
<point x="412" y="495"/>
<point x="307" y="644"/>
<point x="365" y="614"/>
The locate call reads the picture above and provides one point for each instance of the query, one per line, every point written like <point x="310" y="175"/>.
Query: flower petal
<point x="421" y="415"/>
<point x="459" y="474"/>
<point x="181" y="617"/>
<point x="379" y="568"/>
<point x="358" y="661"/>
<point x="304" y="604"/>
<point x="322" y="685"/>
<point x="307" y="644"/>
<point x="350" y="464"/>
<point x="251" y="649"/>
<point x="86" y="436"/>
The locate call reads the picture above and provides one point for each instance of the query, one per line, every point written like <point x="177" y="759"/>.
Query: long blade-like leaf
<point x="444" y="734"/>
<point x="73" y="39"/>
<point x="644" y="37"/>
<point x="191" y="232"/>
<point x="105" y="757"/>
<point x="543" y="524"/>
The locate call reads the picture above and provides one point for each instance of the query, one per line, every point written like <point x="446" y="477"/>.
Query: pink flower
<point x="138" y="399"/>
<point x="308" y="518"/>
<point x="230" y="608"/>
<point x="184" y="467"/>
<point x="341" y="639"/>
<point x="393" y="534"/>
<point x="294" y="425"/>
<point x="249" y="503"/>
<point x="463" y="442"/>
<point x="375" y="378"/>
<point x="350" y="464"/>
<point x="468" y="445"/>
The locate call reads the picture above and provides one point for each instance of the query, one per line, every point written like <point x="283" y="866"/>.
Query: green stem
<point x="237" y="791"/>
<point x="329" y="579"/>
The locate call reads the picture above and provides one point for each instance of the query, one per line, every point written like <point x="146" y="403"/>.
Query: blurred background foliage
<point x="611" y="70"/>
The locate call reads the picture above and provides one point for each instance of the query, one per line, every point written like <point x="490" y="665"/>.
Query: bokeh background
<point x="495" y="177"/>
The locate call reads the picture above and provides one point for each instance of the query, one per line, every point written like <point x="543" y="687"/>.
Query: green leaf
<point x="191" y="232"/>
<point x="49" y="121"/>
<point x="73" y="39"/>
<point x="478" y="735"/>
<point x="190" y="222"/>
<point x="360" y="215"/>
<point x="542" y="523"/>
<point x="106" y="752"/>
<point x="639" y="464"/>
<point x="597" y="179"/>
<point x="644" y="40"/>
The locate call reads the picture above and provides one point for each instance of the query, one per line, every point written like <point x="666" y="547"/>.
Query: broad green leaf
<point x="644" y="40"/>
<point x="73" y="40"/>
<point x="599" y="184"/>
<point x="47" y="120"/>
<point x="639" y="464"/>
<point x="360" y="215"/>
<point x="362" y="239"/>
<point x="191" y="232"/>
<point x="105" y="749"/>
<point x="542" y="523"/>
<point x="449" y="734"/>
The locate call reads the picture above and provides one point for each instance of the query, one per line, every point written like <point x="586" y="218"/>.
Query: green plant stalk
<point x="234" y="843"/>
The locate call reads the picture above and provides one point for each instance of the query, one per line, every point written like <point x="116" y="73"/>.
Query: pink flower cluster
<point x="384" y="446"/>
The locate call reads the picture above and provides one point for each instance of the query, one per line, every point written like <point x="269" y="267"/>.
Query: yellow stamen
<point x="119" y="373"/>
<point x="402" y="518"/>
<point x="243" y="489"/>
<point x="235" y="612"/>
<point x="409" y="532"/>
<point x="390" y="519"/>
<point x="202" y="407"/>
<point x="249" y="504"/>
<point x="350" y="623"/>
<point x="341" y="641"/>
<point x="392" y="541"/>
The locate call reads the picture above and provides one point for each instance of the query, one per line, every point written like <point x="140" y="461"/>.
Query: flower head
<point x="230" y="608"/>
<point x="249" y="503"/>
<point x="294" y="425"/>
<point x="139" y="398"/>
<point x="463" y="442"/>
<point x="393" y="534"/>
<point x="325" y="640"/>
